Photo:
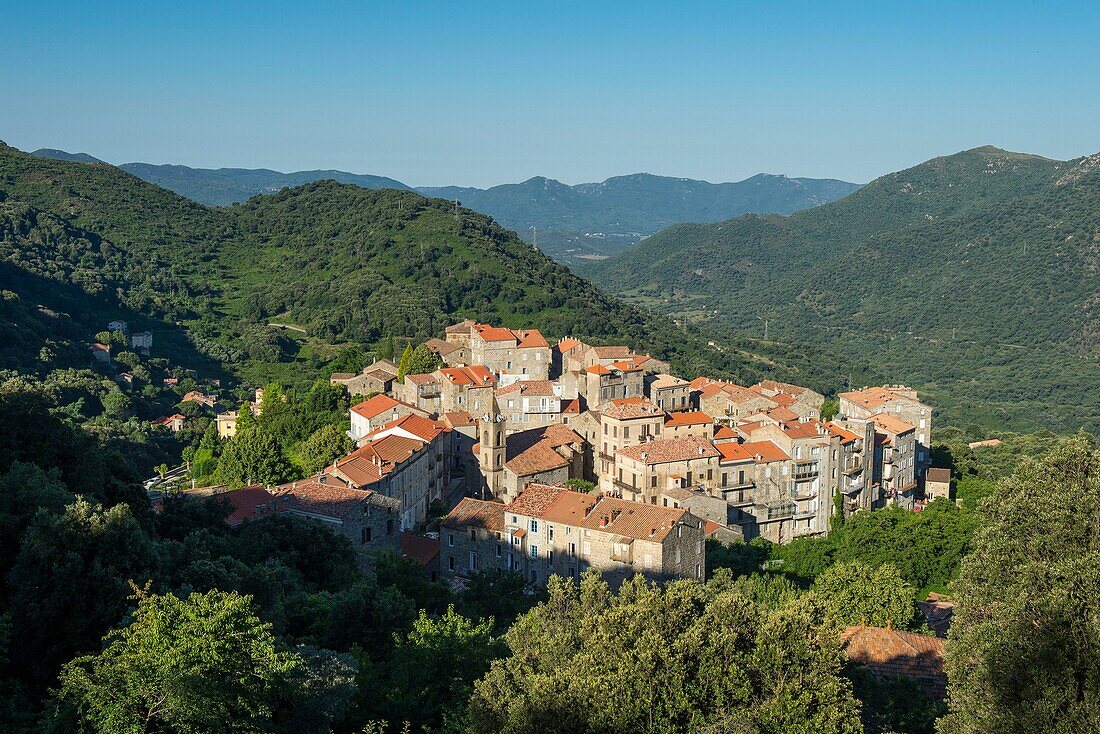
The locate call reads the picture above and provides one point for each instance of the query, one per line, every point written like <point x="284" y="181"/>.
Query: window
<point x="473" y="561"/>
<point x="534" y="526"/>
<point x="450" y="563"/>
<point x="572" y="549"/>
<point x="550" y="532"/>
<point x="550" y="556"/>
<point x="366" y="535"/>
<point x="534" y="551"/>
<point x="653" y="481"/>
<point x="498" y="551"/>
<point x="389" y="526"/>
<point x="626" y="431"/>
<point x="451" y="540"/>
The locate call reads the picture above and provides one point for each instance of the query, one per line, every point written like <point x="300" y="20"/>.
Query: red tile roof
<point x="845" y="435"/>
<point x="476" y="513"/>
<point x="538" y="388"/>
<point x="248" y="503"/>
<point x="665" y="450"/>
<point x="891" y="424"/>
<point x="531" y="339"/>
<point x="420" y="548"/>
<point x="623" y="518"/>
<point x="494" y="333"/>
<point x="379" y="404"/>
<point x="764" y="452"/>
<point x="888" y="652"/>
<point x="614" y="352"/>
<point x="474" y="375"/>
<point x="628" y="408"/>
<point x="687" y="418"/>
<point x="327" y="500"/>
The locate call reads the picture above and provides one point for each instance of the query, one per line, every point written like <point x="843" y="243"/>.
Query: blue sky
<point x="478" y="93"/>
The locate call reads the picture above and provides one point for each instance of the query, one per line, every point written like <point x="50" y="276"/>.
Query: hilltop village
<point x="557" y="458"/>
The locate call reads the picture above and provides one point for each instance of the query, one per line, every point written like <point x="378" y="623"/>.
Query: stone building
<point x="668" y="392"/>
<point x="901" y="402"/>
<point x="937" y="483"/>
<point x="531" y="404"/>
<point x="468" y="388"/>
<point x="728" y="401"/>
<point x="375" y="412"/>
<point x="644" y="471"/>
<point x="509" y="462"/>
<point x="370" y="520"/>
<point x="599" y="384"/>
<point x="895" y="459"/>
<point x="688" y="423"/>
<point x="624" y="422"/>
<point x="517" y="353"/>
<point x="550" y="530"/>
<point x="377" y="377"/>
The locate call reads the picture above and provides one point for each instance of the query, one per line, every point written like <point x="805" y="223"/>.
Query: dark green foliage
<point x="1024" y="650"/>
<point x="889" y="705"/>
<point x="970" y="276"/>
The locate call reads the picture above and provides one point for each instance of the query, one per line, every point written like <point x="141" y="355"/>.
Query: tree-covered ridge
<point x="973" y="276"/>
<point x="343" y="264"/>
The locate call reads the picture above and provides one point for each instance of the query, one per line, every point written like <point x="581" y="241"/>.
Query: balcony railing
<point x="852" y="467"/>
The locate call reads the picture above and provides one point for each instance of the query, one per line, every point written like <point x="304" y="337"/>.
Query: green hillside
<point x="342" y="265"/>
<point x="973" y="276"/>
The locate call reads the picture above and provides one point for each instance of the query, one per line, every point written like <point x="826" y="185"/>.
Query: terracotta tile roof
<point x="476" y="513"/>
<point x="375" y="459"/>
<point x="803" y="429"/>
<point x="572" y="407"/>
<point x="627" y="408"/>
<point x="725" y="432"/>
<point x="700" y="382"/>
<point x="687" y="418"/>
<point x="870" y="397"/>
<point x="426" y="378"/>
<point x="665" y="450"/>
<point x="663" y="381"/>
<point x="733" y="453"/>
<point x="625" y="366"/>
<point x="534" y="500"/>
<point x="462" y="327"/>
<point x="890" y="652"/>
<point x="423" y="428"/>
<point x="376" y="406"/>
<point x="623" y="518"/>
<point x="536" y="459"/>
<point x="248" y="503"/>
<point x="845" y="435"/>
<point x="764" y="452"/>
<point x="474" y="375"/>
<point x="783" y="414"/>
<point x="328" y="500"/>
<point x="420" y="548"/>
<point x="611" y="352"/>
<point x="538" y="388"/>
<point x="891" y="424"/>
<point x="343" y="376"/>
<point x="782" y="387"/>
<point x="533" y="451"/>
<point x="495" y="333"/>
<point x="459" y="418"/>
<point x="568" y="344"/>
<point x="530" y="339"/>
<point x="442" y="348"/>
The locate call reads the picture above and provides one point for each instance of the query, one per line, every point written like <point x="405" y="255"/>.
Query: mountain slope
<point x="345" y="264"/>
<point x="61" y="155"/>
<point x="973" y="275"/>
<point x="606" y="217"/>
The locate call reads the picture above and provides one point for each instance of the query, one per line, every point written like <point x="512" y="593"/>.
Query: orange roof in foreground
<point x="766" y="450"/>
<point x="379" y="404"/>
<point x="687" y="418"/>
<point x="891" y="652"/>
<point x="891" y="423"/>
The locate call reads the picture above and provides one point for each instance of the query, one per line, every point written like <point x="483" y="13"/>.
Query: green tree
<point x="829" y="409"/>
<point x="200" y="664"/>
<point x="435" y="666"/>
<point x="403" y="365"/>
<point x="685" y="657"/>
<point x="325" y="444"/>
<point x="1024" y="651"/>
<point x="857" y="593"/>
<point x="580" y="485"/>
<point x="253" y="456"/>
<point x="421" y="361"/>
<point x="389" y="351"/>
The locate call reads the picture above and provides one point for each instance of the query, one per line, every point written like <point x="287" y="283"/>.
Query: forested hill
<point x="974" y="275"/>
<point x="342" y="264"/>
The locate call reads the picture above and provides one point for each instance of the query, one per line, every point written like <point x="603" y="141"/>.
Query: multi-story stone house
<point x="899" y="401"/>
<point x="453" y="354"/>
<point x="895" y="459"/>
<point x="688" y="423"/>
<point x="368" y="519"/>
<point x="857" y="446"/>
<point x="463" y="453"/>
<point x="624" y="422"/>
<point x="563" y="354"/>
<point x="531" y="404"/>
<point x="510" y="353"/>
<point x="644" y="472"/>
<point x="378" y="377"/>
<point x="816" y="458"/>
<point x="599" y="384"/>
<point x="650" y="364"/>
<point x="425" y="391"/>
<point x="802" y="401"/>
<point x="588" y="356"/>
<point x="467" y="388"/>
<point x="373" y="413"/>
<point x="757" y="483"/>
<point x="728" y="401"/>
<point x="669" y="392"/>
<point x="551" y="530"/>
<point x="407" y="459"/>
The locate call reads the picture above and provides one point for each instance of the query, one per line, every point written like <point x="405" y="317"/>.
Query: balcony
<point x="624" y="487"/>
<point x="852" y="467"/>
<point x="806" y="470"/>
<point x="743" y="494"/>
